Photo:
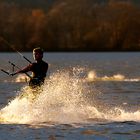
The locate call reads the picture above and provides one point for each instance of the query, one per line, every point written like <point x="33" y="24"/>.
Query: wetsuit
<point x="39" y="70"/>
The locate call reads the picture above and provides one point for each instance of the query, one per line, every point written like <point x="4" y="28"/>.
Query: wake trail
<point x="63" y="98"/>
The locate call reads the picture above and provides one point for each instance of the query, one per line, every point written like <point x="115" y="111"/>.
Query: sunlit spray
<point x="64" y="98"/>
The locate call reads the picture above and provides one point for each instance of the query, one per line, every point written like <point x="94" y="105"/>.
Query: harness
<point x="36" y="82"/>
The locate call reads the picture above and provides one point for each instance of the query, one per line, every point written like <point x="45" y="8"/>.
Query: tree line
<point x="80" y="25"/>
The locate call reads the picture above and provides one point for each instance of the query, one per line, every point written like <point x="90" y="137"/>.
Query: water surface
<point x="85" y="96"/>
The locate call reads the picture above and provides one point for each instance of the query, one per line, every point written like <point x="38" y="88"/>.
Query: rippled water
<point x="85" y="96"/>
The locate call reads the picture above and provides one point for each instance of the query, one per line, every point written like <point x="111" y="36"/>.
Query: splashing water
<point x="60" y="99"/>
<point x="92" y="76"/>
<point x="64" y="98"/>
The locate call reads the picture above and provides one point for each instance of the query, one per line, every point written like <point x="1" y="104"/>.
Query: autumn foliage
<point x="71" y="25"/>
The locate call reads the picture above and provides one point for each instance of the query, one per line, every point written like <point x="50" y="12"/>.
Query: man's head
<point x="38" y="53"/>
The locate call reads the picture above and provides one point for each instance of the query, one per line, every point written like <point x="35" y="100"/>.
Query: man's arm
<point x="24" y="70"/>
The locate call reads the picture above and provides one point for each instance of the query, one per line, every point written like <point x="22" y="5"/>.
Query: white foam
<point x="92" y="76"/>
<point x="62" y="99"/>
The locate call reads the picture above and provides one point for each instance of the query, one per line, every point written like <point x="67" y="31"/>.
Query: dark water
<point x="86" y="96"/>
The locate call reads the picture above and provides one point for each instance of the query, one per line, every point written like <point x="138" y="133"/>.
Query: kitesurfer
<point x="39" y="69"/>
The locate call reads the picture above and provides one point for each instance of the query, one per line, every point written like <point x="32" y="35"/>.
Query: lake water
<point x="86" y="96"/>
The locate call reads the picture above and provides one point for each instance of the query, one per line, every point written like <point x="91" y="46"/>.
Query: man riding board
<point x="39" y="69"/>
